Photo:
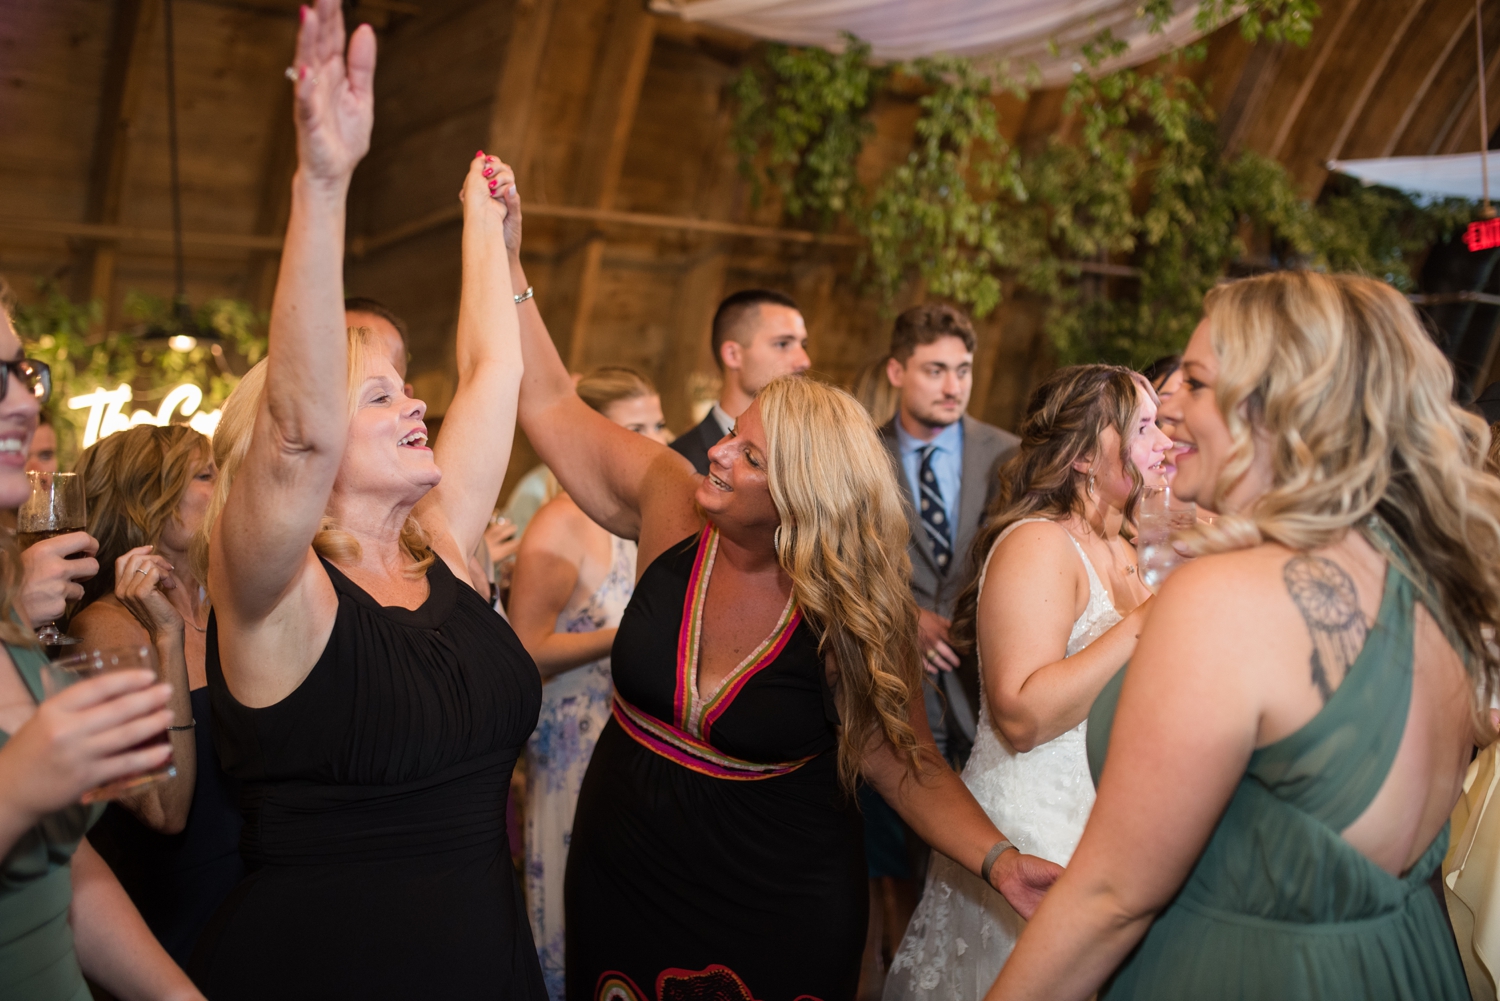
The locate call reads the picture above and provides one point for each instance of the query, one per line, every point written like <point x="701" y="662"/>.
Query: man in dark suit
<point x="946" y="463"/>
<point x="758" y="335"/>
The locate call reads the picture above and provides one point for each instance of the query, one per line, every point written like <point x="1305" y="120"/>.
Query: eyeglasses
<point x="36" y="376"/>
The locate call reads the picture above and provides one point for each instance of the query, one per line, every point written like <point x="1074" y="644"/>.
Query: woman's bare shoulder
<point x="106" y="618"/>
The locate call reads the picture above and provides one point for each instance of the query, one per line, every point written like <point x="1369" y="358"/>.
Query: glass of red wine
<point x="86" y="664"/>
<point x="56" y="507"/>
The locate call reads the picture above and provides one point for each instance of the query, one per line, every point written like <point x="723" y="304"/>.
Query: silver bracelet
<point x="192" y="723"/>
<point x="989" y="860"/>
<point x="525" y="295"/>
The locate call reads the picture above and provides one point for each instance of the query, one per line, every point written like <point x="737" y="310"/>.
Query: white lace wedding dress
<point x="963" y="930"/>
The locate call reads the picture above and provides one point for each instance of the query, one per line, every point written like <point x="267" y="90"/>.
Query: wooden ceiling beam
<point x="614" y="95"/>
<point x="280" y="163"/>
<point x="124" y="83"/>
<point x="1372" y="79"/>
<point x="1330" y="43"/>
<point x="1420" y="93"/>
<point x="1458" y="130"/>
<point x="113" y="234"/>
<point x="515" y="89"/>
<point x="1245" y="104"/>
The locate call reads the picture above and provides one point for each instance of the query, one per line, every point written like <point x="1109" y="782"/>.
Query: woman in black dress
<point x="365" y="694"/>
<point x="767" y="661"/>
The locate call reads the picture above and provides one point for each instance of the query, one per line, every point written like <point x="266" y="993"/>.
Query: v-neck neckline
<point x="696" y="714"/>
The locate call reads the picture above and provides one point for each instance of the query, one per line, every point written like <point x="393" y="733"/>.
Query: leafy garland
<point x="1144" y="181"/>
<point x="60" y="332"/>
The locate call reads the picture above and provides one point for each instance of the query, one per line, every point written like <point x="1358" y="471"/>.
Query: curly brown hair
<point x="1065" y="418"/>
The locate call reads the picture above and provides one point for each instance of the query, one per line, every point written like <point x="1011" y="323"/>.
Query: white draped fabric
<point x="1044" y="34"/>
<point x="1458" y="175"/>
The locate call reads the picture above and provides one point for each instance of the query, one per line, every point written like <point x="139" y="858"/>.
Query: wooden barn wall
<point x="601" y="106"/>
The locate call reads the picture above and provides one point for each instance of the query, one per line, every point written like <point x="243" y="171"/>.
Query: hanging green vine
<point x="1142" y="182"/>
<point x="60" y="332"/>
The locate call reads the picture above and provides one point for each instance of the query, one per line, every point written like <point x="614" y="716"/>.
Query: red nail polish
<point x="479" y="154"/>
<point x="301" y="14"/>
<point x="489" y="172"/>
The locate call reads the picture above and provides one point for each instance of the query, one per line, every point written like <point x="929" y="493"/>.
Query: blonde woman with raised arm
<point x="1277" y="764"/>
<point x="365" y="694"/>
<point x="767" y="660"/>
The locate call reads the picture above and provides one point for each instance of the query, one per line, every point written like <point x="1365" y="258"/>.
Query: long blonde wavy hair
<point x="843" y="542"/>
<point x="133" y="482"/>
<point x="1338" y="376"/>
<point x="232" y="442"/>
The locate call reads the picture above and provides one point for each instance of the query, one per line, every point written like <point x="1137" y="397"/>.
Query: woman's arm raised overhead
<point x="626" y="482"/>
<point x="282" y="488"/>
<point x="473" y="449"/>
<point x="1036" y="589"/>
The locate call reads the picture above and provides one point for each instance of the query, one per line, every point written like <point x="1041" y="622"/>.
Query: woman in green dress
<point x="1293" y="729"/>
<point x="55" y="892"/>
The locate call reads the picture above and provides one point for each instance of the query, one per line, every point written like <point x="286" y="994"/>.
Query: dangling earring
<point x="776" y="539"/>
<point x="1091" y="485"/>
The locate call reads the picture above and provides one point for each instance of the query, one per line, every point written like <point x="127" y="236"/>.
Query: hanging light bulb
<point x="182" y="343"/>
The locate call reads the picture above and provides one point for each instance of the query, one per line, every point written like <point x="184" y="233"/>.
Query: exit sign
<point x="1482" y="234"/>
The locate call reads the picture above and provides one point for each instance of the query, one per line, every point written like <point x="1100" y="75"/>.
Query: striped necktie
<point x="934" y="515"/>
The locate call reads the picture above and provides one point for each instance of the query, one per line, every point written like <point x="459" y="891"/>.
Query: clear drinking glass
<point x="85" y="664"/>
<point x="56" y="507"/>
<point x="1160" y="516"/>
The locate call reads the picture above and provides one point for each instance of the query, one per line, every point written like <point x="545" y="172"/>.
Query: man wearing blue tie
<point x="947" y="461"/>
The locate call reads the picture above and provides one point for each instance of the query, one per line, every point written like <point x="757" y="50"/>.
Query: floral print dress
<point x="575" y="707"/>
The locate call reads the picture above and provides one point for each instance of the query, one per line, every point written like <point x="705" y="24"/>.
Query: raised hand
<point x="1023" y="879"/>
<point x="335" y="93"/>
<point x="141" y="580"/>
<point x="487" y="194"/>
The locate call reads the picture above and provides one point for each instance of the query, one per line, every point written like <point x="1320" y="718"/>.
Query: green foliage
<point x="813" y="122"/>
<point x="60" y="332"/>
<point x="1138" y="179"/>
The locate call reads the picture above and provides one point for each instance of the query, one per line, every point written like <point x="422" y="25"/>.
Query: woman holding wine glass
<point x="62" y="909"/>
<point x="174" y="845"/>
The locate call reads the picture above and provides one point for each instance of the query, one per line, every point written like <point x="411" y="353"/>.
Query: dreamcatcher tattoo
<point x="1329" y="604"/>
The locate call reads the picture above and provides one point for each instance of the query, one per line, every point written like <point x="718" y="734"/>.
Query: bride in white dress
<point x="1056" y="607"/>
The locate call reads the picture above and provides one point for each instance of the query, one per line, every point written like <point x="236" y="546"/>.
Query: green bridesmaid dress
<point x="36" y="888"/>
<point x="1279" y="906"/>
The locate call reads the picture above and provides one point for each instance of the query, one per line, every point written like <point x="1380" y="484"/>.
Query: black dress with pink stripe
<point x="714" y="854"/>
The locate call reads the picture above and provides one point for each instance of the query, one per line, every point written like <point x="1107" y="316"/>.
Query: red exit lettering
<point x="1483" y="234"/>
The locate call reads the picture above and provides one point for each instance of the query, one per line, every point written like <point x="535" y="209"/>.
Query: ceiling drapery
<point x="1458" y="175"/>
<point x="1041" y="33"/>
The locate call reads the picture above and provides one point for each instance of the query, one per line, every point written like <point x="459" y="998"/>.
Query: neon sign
<point x="1483" y="234"/>
<point x="106" y="409"/>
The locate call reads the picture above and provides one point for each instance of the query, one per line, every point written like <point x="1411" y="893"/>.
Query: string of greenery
<point x="1140" y="179"/>
<point x="62" y="333"/>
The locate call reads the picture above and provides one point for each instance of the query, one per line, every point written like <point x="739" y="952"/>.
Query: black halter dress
<point x="714" y="854"/>
<point x="374" y="803"/>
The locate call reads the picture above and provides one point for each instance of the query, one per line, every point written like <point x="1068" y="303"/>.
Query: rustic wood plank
<point x="132" y="44"/>
<point x="1464" y="29"/>
<point x="1377" y="71"/>
<point x="1326" y="49"/>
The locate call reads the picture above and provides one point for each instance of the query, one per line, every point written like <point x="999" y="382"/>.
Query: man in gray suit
<point x="947" y="463"/>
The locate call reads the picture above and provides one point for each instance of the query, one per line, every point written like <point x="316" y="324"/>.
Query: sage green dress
<point x="36" y="942"/>
<point x="1279" y="906"/>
